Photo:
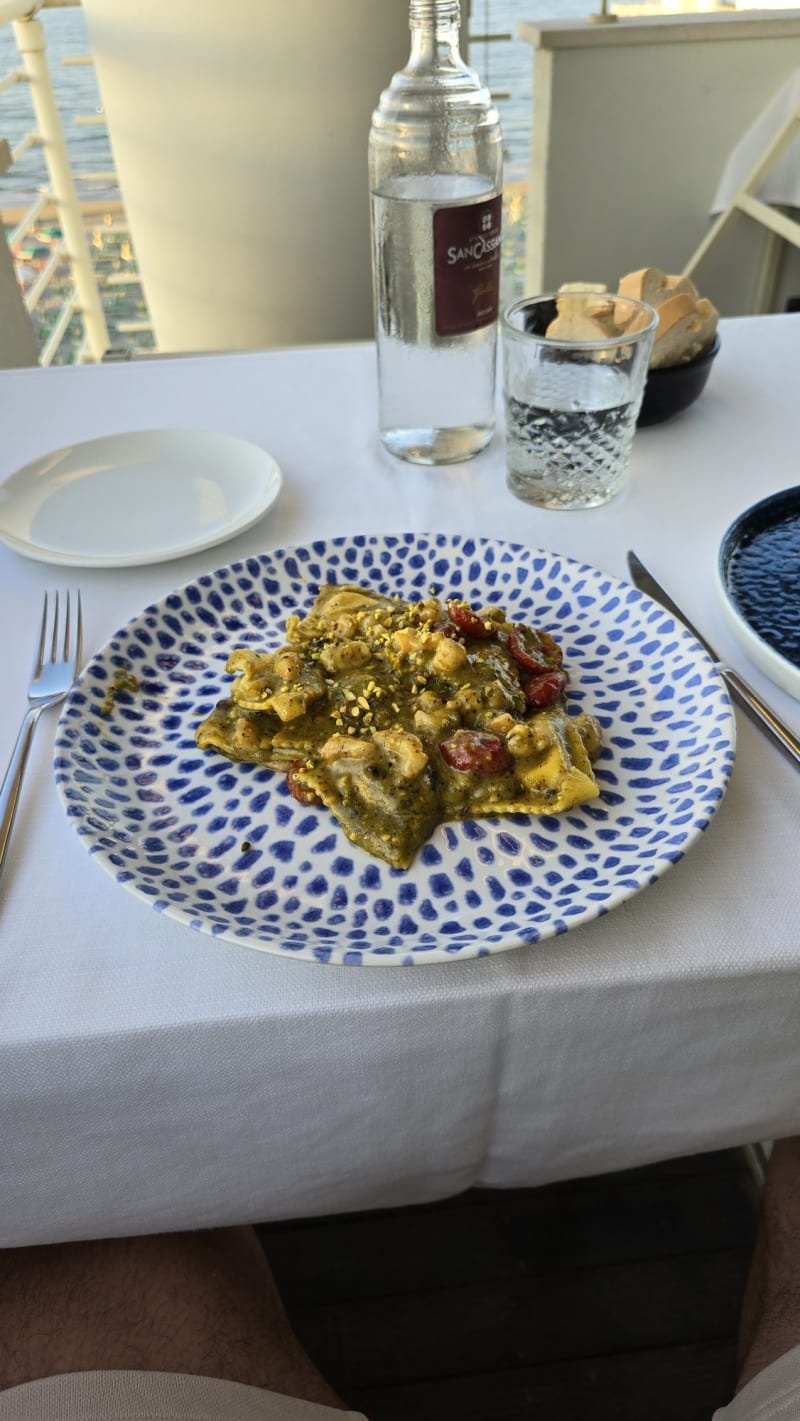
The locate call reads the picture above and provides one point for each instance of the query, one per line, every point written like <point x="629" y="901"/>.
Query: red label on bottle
<point x="466" y="266"/>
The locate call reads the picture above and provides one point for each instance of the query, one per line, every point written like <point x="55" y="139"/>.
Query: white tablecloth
<point x="153" y="1078"/>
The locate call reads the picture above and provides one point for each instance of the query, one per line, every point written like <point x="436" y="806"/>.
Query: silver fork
<point x="55" y="665"/>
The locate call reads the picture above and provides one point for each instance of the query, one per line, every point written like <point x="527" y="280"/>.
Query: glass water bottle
<point x="436" y="166"/>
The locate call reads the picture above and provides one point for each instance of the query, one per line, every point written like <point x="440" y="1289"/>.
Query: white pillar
<point x="240" y="134"/>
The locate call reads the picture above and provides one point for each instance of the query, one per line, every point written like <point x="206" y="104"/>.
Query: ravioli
<point x="398" y="716"/>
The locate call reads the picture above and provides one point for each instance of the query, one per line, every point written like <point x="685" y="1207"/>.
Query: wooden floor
<point x="615" y="1297"/>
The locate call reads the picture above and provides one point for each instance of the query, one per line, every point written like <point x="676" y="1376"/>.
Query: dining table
<point x="155" y="1077"/>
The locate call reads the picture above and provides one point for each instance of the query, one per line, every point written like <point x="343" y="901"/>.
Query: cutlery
<point x="742" y="693"/>
<point x="55" y="665"/>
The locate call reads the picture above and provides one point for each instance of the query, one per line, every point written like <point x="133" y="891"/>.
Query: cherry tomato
<point x="447" y="627"/>
<point x="299" y="791"/>
<point x="469" y="622"/>
<point x="475" y="752"/>
<point x="534" y="650"/>
<point x="544" y="690"/>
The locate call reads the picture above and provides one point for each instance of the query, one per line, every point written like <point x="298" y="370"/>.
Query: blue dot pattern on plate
<point x="226" y="850"/>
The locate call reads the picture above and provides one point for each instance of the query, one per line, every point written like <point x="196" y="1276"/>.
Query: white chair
<point x="745" y="201"/>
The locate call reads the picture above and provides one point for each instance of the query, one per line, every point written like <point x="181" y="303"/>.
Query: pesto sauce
<point x="123" y="681"/>
<point x="378" y="694"/>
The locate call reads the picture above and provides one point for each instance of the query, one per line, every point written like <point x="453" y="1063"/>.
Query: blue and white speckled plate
<point x="169" y="822"/>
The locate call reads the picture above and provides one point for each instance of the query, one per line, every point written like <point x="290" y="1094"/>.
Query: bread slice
<point x="677" y="324"/>
<point x="582" y="286"/>
<point x="703" y="338"/>
<point x="578" y="327"/>
<point x="585" y="298"/>
<point x="678" y="332"/>
<point x="687" y="323"/>
<point x="673" y="310"/>
<point x="649" y="284"/>
<point x="628" y="323"/>
<point x="655" y="286"/>
<point x="676" y="284"/>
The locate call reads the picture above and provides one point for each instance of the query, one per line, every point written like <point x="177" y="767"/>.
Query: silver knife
<point x="743" y="694"/>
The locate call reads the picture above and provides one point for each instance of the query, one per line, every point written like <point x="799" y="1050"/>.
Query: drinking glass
<point x="571" y="404"/>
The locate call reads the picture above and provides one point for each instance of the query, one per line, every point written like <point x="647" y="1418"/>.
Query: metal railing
<point x="83" y="299"/>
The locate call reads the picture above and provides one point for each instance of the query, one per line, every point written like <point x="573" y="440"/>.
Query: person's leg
<point x="770" y="1321"/>
<point x="198" y="1303"/>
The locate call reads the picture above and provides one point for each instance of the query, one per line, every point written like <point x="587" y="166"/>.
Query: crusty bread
<point x="645" y="281"/>
<point x="582" y="286"/>
<point x="672" y="348"/>
<point x="676" y="284"/>
<point x="577" y="327"/>
<point x="653" y="285"/>
<point x="673" y="310"/>
<point x="708" y="316"/>
<point x="648" y="284"/>
<point x="685" y="329"/>
<point x="687" y="323"/>
<point x="629" y="323"/>
<point x="585" y="298"/>
<point x="678" y="323"/>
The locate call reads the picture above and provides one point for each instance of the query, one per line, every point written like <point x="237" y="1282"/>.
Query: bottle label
<point x="466" y="266"/>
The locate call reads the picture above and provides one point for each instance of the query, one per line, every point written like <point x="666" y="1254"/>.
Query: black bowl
<point x="676" y="387"/>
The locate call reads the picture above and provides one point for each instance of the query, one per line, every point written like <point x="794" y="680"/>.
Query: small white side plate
<point x="137" y="498"/>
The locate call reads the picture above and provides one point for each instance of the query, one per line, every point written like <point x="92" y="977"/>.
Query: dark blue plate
<point x="759" y="574"/>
